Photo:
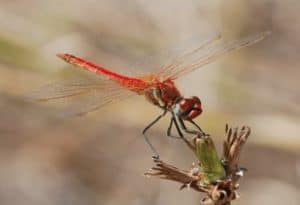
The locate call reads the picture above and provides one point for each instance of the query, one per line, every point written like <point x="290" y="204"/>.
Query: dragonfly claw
<point x="202" y="135"/>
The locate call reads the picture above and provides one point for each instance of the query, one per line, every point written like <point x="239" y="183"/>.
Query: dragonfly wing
<point x="181" y="59"/>
<point x="70" y="88"/>
<point x="94" y="101"/>
<point x="80" y="96"/>
<point x="206" y="54"/>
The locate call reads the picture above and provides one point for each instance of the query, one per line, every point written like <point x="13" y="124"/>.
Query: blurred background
<point x="100" y="158"/>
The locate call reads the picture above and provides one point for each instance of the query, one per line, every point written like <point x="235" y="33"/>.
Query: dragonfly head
<point x="188" y="108"/>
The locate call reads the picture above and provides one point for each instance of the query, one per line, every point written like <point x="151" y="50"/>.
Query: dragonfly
<point x="158" y="88"/>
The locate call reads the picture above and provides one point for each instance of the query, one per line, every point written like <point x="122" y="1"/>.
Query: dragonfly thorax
<point x="188" y="108"/>
<point x="166" y="96"/>
<point x="163" y="94"/>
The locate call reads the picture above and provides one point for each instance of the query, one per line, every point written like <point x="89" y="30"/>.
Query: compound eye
<point x="196" y="100"/>
<point x="193" y="114"/>
<point x="189" y="108"/>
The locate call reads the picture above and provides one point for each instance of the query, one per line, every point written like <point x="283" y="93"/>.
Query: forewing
<point x="185" y="55"/>
<point x="205" y="54"/>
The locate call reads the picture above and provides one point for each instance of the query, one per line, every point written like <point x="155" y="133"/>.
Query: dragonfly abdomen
<point x="133" y="84"/>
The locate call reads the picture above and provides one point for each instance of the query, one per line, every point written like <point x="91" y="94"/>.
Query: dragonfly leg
<point x="183" y="126"/>
<point x="146" y="137"/>
<point x="198" y="127"/>
<point x="169" y="134"/>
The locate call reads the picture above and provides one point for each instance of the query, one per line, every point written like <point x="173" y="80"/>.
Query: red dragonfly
<point x="159" y="88"/>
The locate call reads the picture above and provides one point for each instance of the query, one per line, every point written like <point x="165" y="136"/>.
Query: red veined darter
<point x="158" y="88"/>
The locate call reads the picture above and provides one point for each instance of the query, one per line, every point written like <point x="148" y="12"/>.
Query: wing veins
<point x="177" y="61"/>
<point x="213" y="53"/>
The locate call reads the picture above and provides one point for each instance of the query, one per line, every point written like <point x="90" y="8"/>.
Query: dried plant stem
<point x="214" y="176"/>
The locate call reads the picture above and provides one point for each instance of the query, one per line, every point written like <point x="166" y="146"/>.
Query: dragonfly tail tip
<point x="65" y="56"/>
<point x="61" y="55"/>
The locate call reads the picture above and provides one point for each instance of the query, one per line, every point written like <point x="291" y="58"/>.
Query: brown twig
<point x="169" y="172"/>
<point x="232" y="147"/>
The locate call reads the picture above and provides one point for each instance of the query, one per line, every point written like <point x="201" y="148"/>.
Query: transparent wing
<point x="152" y="58"/>
<point x="70" y="88"/>
<point x="181" y="59"/>
<point x="205" y="54"/>
<point x="80" y="96"/>
<point x="81" y="105"/>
